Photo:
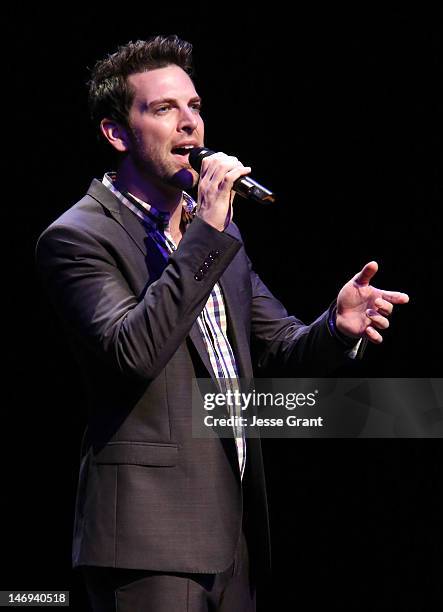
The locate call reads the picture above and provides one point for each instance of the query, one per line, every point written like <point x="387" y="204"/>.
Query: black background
<point x="339" y="111"/>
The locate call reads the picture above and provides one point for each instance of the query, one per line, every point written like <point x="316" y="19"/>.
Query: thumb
<point x="369" y="270"/>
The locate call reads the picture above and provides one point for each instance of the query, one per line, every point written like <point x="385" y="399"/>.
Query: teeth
<point x="183" y="148"/>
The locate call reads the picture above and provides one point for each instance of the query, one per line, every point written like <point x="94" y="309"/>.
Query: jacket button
<point x="198" y="277"/>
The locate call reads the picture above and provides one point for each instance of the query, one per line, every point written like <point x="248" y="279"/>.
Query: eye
<point x="197" y="107"/>
<point x="161" y="110"/>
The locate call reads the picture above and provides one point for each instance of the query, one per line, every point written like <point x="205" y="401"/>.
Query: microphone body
<point x="244" y="186"/>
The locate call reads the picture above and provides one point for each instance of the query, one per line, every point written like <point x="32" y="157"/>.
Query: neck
<point x="165" y="198"/>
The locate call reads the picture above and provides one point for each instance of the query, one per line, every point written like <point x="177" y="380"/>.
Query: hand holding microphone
<point x="219" y="175"/>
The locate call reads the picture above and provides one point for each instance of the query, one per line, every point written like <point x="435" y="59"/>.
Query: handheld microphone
<point x="244" y="186"/>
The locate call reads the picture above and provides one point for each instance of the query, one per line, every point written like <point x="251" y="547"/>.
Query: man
<point x="155" y="291"/>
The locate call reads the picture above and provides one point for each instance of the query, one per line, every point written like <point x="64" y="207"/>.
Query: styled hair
<point x="110" y="94"/>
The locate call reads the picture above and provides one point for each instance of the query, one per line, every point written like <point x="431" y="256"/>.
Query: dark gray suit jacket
<point x="151" y="496"/>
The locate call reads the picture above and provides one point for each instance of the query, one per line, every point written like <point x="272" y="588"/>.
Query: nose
<point x="188" y="120"/>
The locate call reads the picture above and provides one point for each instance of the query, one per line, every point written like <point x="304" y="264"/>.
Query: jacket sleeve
<point x="284" y="345"/>
<point x="92" y="297"/>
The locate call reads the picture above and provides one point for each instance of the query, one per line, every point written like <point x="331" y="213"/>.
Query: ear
<point x="115" y="134"/>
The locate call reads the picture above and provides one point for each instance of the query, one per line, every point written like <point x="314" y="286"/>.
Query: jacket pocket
<point x="138" y="453"/>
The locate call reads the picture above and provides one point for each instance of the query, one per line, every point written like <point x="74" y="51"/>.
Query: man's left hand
<point x="363" y="309"/>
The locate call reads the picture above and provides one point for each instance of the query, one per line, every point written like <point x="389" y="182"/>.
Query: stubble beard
<point x="163" y="172"/>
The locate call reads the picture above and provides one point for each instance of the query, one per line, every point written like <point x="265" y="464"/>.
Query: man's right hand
<point x="217" y="176"/>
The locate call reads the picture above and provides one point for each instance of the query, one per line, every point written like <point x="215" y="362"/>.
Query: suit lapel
<point x="228" y="282"/>
<point x="234" y="306"/>
<point x="236" y="330"/>
<point x="199" y="344"/>
<point x="120" y="213"/>
<point x="237" y="304"/>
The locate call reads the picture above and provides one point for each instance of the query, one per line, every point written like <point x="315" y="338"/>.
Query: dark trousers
<point x="121" y="590"/>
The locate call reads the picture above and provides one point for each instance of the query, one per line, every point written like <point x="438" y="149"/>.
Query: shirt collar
<point x="153" y="217"/>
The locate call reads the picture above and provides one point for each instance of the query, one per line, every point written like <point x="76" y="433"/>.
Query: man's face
<point x="164" y="119"/>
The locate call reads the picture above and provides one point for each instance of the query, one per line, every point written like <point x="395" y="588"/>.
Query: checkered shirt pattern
<point x="212" y="320"/>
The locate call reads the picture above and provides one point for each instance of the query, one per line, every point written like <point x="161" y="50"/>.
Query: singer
<point x="155" y="289"/>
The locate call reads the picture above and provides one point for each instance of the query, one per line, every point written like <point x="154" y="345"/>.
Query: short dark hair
<point x="110" y="95"/>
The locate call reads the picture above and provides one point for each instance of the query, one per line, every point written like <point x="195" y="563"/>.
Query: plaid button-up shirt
<point x="212" y="320"/>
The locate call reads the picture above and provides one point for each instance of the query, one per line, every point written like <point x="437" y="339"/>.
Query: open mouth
<point x="182" y="151"/>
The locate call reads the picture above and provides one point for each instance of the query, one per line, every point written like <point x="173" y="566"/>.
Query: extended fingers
<point x="395" y="297"/>
<point x="373" y="335"/>
<point x="377" y="319"/>
<point x="383" y="306"/>
<point x="365" y="275"/>
<point x="385" y="303"/>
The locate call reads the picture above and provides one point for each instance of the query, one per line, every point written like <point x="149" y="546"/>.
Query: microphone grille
<point x="197" y="155"/>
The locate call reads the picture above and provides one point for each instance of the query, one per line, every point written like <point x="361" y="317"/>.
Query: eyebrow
<point x="172" y="101"/>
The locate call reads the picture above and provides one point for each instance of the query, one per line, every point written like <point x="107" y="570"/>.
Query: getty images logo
<point x="255" y="399"/>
